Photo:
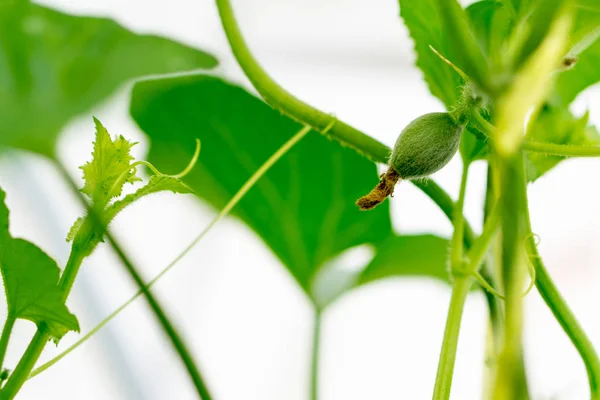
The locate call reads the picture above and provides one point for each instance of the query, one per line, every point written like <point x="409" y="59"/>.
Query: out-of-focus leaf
<point x="54" y="66"/>
<point x="584" y="74"/>
<point x="397" y="256"/>
<point x="530" y="86"/>
<point x="473" y="145"/>
<point x="556" y="124"/>
<point x="303" y="208"/>
<point x="424" y="255"/>
<point x="31" y="282"/>
<point x="491" y="24"/>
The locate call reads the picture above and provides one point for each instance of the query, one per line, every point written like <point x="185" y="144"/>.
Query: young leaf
<point x="555" y="124"/>
<point x="110" y="167"/>
<point x="31" y="282"/>
<point x="50" y="74"/>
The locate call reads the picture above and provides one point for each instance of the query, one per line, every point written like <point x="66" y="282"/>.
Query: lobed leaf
<point x="110" y="167"/>
<point x="31" y="282"/>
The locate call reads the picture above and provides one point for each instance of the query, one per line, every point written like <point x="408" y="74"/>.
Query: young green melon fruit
<point x="425" y="146"/>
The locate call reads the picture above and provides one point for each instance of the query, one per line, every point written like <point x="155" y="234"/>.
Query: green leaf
<point x="303" y="208"/>
<point x="54" y="66"/>
<point x="443" y="25"/>
<point x="31" y="282"/>
<point x="465" y="53"/>
<point x="555" y="124"/>
<point x="491" y="23"/>
<point x="424" y="25"/>
<point x="423" y="255"/>
<point x="397" y="256"/>
<point x="110" y="167"/>
<point x="157" y="183"/>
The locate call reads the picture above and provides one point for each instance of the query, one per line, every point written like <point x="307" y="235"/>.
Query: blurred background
<point x="248" y="323"/>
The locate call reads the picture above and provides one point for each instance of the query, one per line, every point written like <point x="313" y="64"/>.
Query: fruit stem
<point x="384" y="188"/>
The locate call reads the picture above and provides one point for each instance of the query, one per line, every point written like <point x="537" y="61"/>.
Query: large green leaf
<point x="31" y="282"/>
<point x="54" y="66"/>
<point x="303" y="208"/>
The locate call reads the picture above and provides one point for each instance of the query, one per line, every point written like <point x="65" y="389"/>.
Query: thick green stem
<point x="510" y="383"/>
<point x="9" y="324"/>
<point x="314" y="364"/>
<point x="285" y="102"/>
<point x="443" y="379"/>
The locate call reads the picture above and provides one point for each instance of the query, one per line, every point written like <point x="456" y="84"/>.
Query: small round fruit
<point x="425" y="146"/>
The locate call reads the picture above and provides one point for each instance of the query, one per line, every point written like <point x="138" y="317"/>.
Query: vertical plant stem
<point x="456" y="255"/>
<point x="445" y="371"/>
<point x="460" y="289"/>
<point x="9" y="324"/>
<point x="495" y="317"/>
<point x="314" y="365"/>
<point x="510" y="383"/>
<point x="564" y="315"/>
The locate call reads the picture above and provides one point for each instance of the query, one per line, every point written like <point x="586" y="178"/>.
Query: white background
<point x="249" y="326"/>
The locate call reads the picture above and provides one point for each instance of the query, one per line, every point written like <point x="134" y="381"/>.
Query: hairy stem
<point x="443" y="379"/>
<point x="9" y="324"/>
<point x="565" y="150"/>
<point x="314" y="365"/>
